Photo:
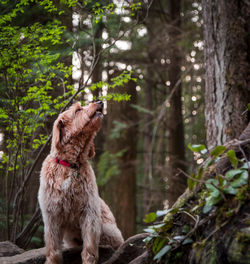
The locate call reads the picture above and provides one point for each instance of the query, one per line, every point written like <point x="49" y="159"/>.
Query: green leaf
<point x="162" y="252"/>
<point x="200" y="173"/>
<point x="210" y="185"/>
<point x="178" y="237"/>
<point x="147" y="239"/>
<point x="158" y="226"/>
<point x="210" y="202"/>
<point x="230" y="190"/>
<point x="232" y="173"/>
<point x="196" y="148"/>
<point x="232" y="157"/>
<point x="246" y="165"/>
<point x="191" y="183"/>
<point x="187" y="241"/>
<point x="217" y="151"/>
<point x="242" y="180"/>
<point x="207" y="208"/>
<point x="160" y="213"/>
<point x="149" y="230"/>
<point x="158" y="244"/>
<point x="149" y="218"/>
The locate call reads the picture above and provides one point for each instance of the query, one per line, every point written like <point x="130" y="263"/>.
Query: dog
<point x="72" y="211"/>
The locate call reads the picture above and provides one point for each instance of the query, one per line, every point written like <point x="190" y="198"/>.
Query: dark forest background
<point x="172" y="74"/>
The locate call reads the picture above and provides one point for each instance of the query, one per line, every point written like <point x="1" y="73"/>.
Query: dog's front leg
<point x="53" y="241"/>
<point x="91" y="231"/>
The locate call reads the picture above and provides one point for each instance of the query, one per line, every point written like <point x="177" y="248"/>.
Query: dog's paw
<point x="88" y="258"/>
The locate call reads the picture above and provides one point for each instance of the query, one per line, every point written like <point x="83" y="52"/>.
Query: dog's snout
<point x="100" y="104"/>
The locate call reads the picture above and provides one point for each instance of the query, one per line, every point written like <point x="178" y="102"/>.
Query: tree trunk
<point x="96" y="77"/>
<point x="226" y="34"/>
<point x="120" y="191"/>
<point x="176" y="145"/>
<point x="148" y="127"/>
<point x="97" y="73"/>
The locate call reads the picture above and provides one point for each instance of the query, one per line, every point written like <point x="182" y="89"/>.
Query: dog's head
<point x="77" y="120"/>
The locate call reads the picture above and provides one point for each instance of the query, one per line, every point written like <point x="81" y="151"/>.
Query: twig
<point x="201" y="181"/>
<point x="197" y="220"/>
<point x="191" y="216"/>
<point x="216" y="229"/>
<point x="191" y="178"/>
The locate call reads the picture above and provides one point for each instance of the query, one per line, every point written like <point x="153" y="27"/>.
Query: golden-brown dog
<point x="68" y="196"/>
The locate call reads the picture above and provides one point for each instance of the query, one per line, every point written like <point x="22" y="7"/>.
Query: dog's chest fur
<point x="64" y="192"/>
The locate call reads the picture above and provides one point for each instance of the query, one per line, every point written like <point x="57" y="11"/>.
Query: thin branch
<point x="216" y="229"/>
<point x="197" y="221"/>
<point x="191" y="178"/>
<point x="191" y="216"/>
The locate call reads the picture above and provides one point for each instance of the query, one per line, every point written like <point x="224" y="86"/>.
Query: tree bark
<point x="227" y="45"/>
<point x="176" y="145"/>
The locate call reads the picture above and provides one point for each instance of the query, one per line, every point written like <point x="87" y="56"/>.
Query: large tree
<point x="226" y="34"/>
<point x="120" y="190"/>
<point x="176" y="146"/>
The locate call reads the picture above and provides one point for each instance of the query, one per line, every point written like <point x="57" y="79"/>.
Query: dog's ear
<point x="91" y="150"/>
<point x="57" y="135"/>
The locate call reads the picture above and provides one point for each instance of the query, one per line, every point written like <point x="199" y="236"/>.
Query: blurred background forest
<point x="145" y="60"/>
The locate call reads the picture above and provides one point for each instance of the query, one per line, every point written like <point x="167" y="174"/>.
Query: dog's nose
<point x="100" y="104"/>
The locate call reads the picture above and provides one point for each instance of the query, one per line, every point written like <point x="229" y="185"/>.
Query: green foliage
<point x="35" y="81"/>
<point x="162" y="252"/>
<point x="198" y="148"/>
<point x="217" y="188"/>
<point x="233" y="159"/>
<point x="117" y="130"/>
<point x="231" y="183"/>
<point x="163" y="238"/>
<point x="151" y="217"/>
<point x="100" y="10"/>
<point x="108" y="167"/>
<point x="217" y="151"/>
<point x="32" y="72"/>
<point x="29" y="67"/>
<point x="159" y="239"/>
<point x="115" y="82"/>
<point x="134" y="7"/>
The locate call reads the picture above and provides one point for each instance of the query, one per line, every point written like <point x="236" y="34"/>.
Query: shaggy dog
<point x="68" y="196"/>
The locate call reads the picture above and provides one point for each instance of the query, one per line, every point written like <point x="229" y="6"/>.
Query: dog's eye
<point x="78" y="109"/>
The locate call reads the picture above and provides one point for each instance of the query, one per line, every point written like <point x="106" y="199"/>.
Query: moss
<point x="247" y="221"/>
<point x="206" y="252"/>
<point x="239" y="250"/>
<point x="243" y="193"/>
<point x="221" y="214"/>
<point x="198" y="249"/>
<point x="226" y="211"/>
<point x="243" y="237"/>
<point x="212" y="253"/>
<point x="183" y="199"/>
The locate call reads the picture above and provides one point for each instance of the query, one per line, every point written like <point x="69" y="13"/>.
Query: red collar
<point x="66" y="164"/>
